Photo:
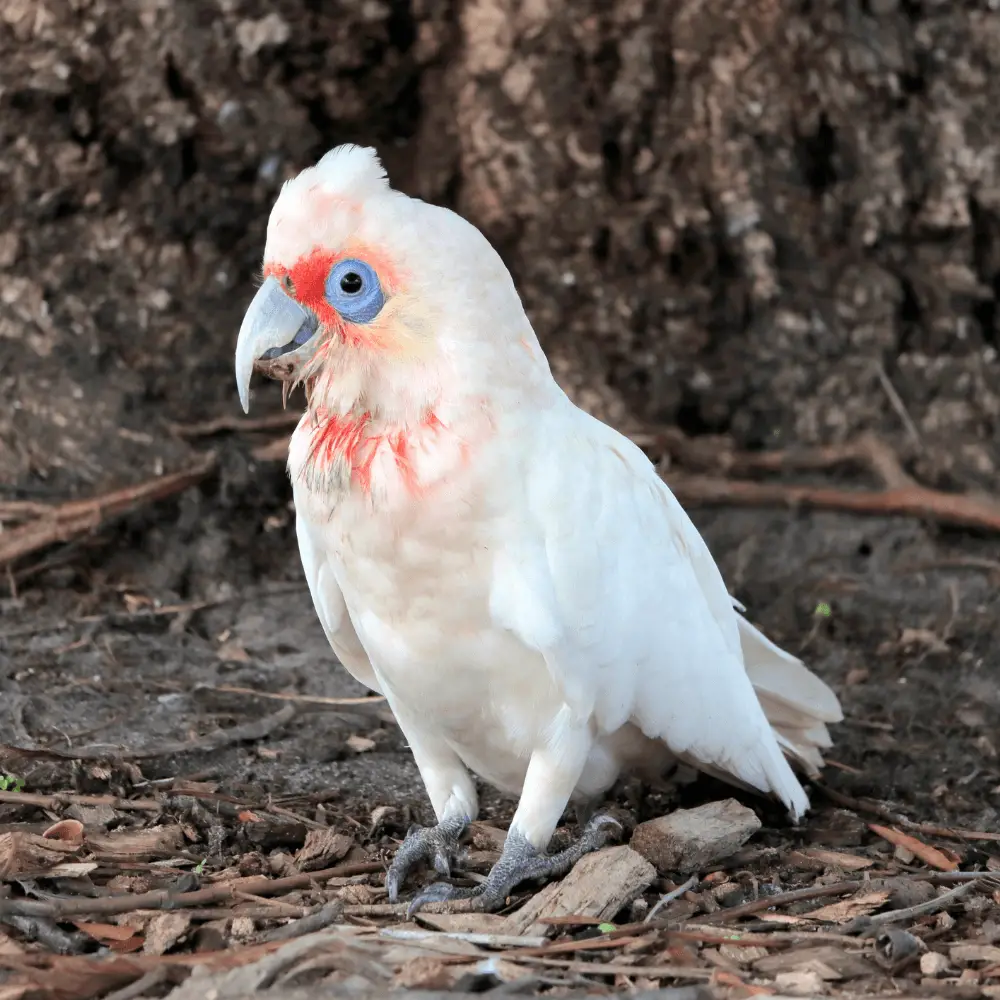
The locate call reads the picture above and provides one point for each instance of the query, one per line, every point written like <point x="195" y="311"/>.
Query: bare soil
<point x="767" y="225"/>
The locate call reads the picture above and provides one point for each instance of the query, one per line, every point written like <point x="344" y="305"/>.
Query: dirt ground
<point x="765" y="226"/>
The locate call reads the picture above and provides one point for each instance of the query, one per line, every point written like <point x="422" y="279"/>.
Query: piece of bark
<point x="599" y="885"/>
<point x="842" y="964"/>
<point x="690" y="839"/>
<point x="21" y="853"/>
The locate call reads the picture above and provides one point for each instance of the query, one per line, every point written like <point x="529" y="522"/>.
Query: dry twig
<point x="946" y="899"/>
<point x="237" y="423"/>
<point x="305" y="699"/>
<point x="901" y="495"/>
<point x="164" y="899"/>
<point x="46" y="524"/>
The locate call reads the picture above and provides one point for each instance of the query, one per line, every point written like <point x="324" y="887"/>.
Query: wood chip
<point x="847" y="909"/>
<point x="974" y="953"/>
<point x="801" y="983"/>
<point x="690" y="839"/>
<point x="465" y="923"/>
<point x="599" y="885"/>
<point x="832" y="859"/>
<point x="151" y="842"/>
<point x="321" y="848"/>
<point x="841" y="964"/>
<point x="21" y="853"/>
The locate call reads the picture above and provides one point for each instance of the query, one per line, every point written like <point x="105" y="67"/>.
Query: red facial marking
<point x="308" y="275"/>
<point x="351" y="439"/>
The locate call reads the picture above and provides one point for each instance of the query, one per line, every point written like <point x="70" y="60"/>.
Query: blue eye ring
<point x="353" y="289"/>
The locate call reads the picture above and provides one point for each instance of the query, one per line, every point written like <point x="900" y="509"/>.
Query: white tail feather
<point x="796" y="702"/>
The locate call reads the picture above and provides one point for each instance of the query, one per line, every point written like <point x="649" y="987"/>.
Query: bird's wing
<point x="608" y="578"/>
<point x="331" y="608"/>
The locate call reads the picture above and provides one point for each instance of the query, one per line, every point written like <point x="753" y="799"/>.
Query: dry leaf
<point x="359" y="744"/>
<point x="248" y="816"/>
<point x="847" y="909"/>
<point x="126" y="947"/>
<point x="104" y="932"/>
<point x="929" y="855"/>
<point x="69" y="831"/>
<point x="836" y="859"/>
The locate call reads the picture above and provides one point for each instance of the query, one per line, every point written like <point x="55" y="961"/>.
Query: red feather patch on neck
<point x="353" y="439"/>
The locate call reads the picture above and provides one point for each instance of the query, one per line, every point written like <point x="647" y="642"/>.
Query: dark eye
<point x="353" y="289"/>
<point x="351" y="283"/>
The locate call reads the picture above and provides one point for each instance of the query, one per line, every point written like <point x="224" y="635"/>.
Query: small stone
<point x="689" y="839"/>
<point x="800" y="983"/>
<point x="911" y="893"/>
<point x="933" y="963"/>
<point x="252" y="36"/>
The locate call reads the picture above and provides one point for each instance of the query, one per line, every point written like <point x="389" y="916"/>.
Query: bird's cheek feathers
<point x="308" y="276"/>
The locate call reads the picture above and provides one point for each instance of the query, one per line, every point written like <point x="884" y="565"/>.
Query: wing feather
<point x="639" y="624"/>
<point x="331" y="608"/>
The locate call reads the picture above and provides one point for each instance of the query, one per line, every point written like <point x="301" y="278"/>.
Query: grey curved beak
<point x="274" y="321"/>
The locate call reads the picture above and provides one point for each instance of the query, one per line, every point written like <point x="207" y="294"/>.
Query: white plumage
<point x="510" y="572"/>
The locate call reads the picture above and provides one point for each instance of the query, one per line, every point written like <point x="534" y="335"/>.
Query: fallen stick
<point x="866" y="923"/>
<point x="164" y="899"/>
<point x="913" y="501"/>
<point x="59" y="800"/>
<point x="902" y="495"/>
<point x="305" y="699"/>
<point x="49" y="524"/>
<point x="780" y="899"/>
<point x="237" y="423"/>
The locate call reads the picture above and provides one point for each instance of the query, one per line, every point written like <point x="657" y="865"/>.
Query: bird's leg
<point x="453" y="796"/>
<point x="548" y="784"/>
<point x="520" y="861"/>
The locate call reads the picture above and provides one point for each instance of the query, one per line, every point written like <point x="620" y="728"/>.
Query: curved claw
<point x="435" y="846"/>
<point x="440" y="892"/>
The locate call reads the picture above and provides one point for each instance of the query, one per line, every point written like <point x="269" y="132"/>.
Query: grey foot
<point x="435" y="845"/>
<point x="519" y="862"/>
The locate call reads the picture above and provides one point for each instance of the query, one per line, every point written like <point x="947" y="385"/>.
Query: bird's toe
<point x="435" y="845"/>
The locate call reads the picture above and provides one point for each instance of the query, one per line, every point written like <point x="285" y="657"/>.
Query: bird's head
<point x="376" y="299"/>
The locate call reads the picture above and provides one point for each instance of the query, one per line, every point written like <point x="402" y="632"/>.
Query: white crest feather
<point x="353" y="172"/>
<point x="305" y="214"/>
